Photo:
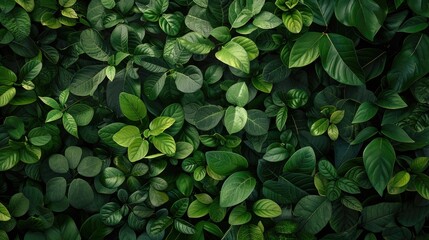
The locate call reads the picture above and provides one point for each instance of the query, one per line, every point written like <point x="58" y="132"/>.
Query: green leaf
<point x="322" y="10"/>
<point x="58" y="163"/>
<point x="132" y="106"/>
<point x="14" y="127"/>
<point x="90" y="166"/>
<point x="171" y="23"/>
<point x="119" y="38"/>
<point x="422" y="185"/>
<point x="66" y="3"/>
<point x="396" y="133"/>
<point x="138" y="149"/>
<point x="198" y="21"/>
<point x="339" y="59"/>
<point x="319" y="127"/>
<point x="93" y="45"/>
<point x="80" y="193"/>
<point x="154" y="84"/>
<point x="419" y="164"/>
<point x="196" y="43"/>
<point x="112" y="177"/>
<point x="30" y="70"/>
<point x="420" y="90"/>
<point x="236" y="188"/>
<point x="111" y="213"/>
<point x="28" y="5"/>
<point x="179" y="207"/>
<point x="221" y="34"/>
<point x="225" y="163"/>
<point x="266" y="208"/>
<point x="365" y="112"/>
<point x="126" y="135"/>
<point x="189" y="80"/>
<point x="7" y="76"/>
<point x="267" y="20"/>
<point x="239" y="215"/>
<point x="414" y="25"/>
<point x="238" y="94"/>
<point x="301" y="161"/>
<point x="4" y="213"/>
<point x="18" y="205"/>
<point x="248" y="45"/>
<point x="56" y="189"/>
<point x="296" y="98"/>
<point x="176" y="112"/>
<point x="390" y="100"/>
<point x="86" y="80"/>
<point x="410" y="63"/>
<point x="376" y="218"/>
<point x="379" y="159"/>
<point x="70" y="124"/>
<point x="235" y="119"/>
<point x="257" y="123"/>
<point x="6" y="95"/>
<point x="197" y="209"/>
<point x="420" y="7"/>
<point x="293" y="21"/>
<point x="17" y="22"/>
<point x="164" y="143"/>
<point x="281" y="118"/>
<point x="250" y="232"/>
<point x="364" y="135"/>
<point x="234" y="55"/>
<point x="348" y="186"/>
<point x="241" y="11"/>
<point x="327" y="170"/>
<point x="82" y="113"/>
<point x="39" y="136"/>
<point x="207" y="117"/>
<point x="305" y="50"/>
<point x="160" y="124"/>
<point x="183" y="226"/>
<point x="69" y="13"/>
<point x="314" y="212"/>
<point x="367" y="16"/>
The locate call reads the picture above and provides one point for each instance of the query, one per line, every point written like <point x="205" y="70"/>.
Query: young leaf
<point x="319" y="127"/>
<point x="234" y="55"/>
<point x="8" y="77"/>
<point x="197" y="209"/>
<point x="160" y="124"/>
<point x="196" y="43"/>
<point x="305" y="50"/>
<point x="379" y="159"/>
<point x="70" y="124"/>
<point x="239" y="215"/>
<point x="6" y="95"/>
<point x="126" y="135"/>
<point x="164" y="143"/>
<point x="293" y="20"/>
<point x="132" y="106"/>
<point x="236" y="189"/>
<point x="339" y="59"/>
<point x="138" y="149"/>
<point x="4" y="213"/>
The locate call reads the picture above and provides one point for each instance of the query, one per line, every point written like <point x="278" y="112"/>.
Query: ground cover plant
<point x="214" y="119"/>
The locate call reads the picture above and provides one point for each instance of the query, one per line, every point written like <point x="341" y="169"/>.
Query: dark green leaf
<point x="314" y="212"/>
<point x="225" y="163"/>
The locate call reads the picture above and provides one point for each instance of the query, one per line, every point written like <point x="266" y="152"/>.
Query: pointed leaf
<point x="236" y="189"/>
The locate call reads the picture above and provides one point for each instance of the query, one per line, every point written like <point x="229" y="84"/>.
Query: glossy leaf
<point x="305" y="50"/>
<point x="234" y="55"/>
<point x="225" y="163"/>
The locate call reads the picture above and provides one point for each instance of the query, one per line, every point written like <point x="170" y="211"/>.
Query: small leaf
<point x="196" y="43"/>
<point x="126" y="135"/>
<point x="160" y="124"/>
<point x="266" y="208"/>
<point x="70" y="124"/>
<point x="4" y="213"/>
<point x="319" y="127"/>
<point x="239" y="215"/>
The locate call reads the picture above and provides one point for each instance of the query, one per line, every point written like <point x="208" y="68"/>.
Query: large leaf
<point x="379" y="159"/>
<point x="80" y="193"/>
<point x="234" y="55"/>
<point x="17" y="22"/>
<point x="376" y="217"/>
<point x="93" y="45"/>
<point x="241" y="11"/>
<point x="225" y="163"/>
<point x="250" y="232"/>
<point x="339" y="59"/>
<point x="189" y="80"/>
<point x="236" y="189"/>
<point x="322" y="10"/>
<point x="366" y="15"/>
<point x="235" y="119"/>
<point x="207" y="117"/>
<point x="86" y="80"/>
<point x="314" y="212"/>
<point x="197" y="20"/>
<point x="410" y="63"/>
<point x="302" y="161"/>
<point x="194" y="42"/>
<point x="238" y="94"/>
<point x="305" y="50"/>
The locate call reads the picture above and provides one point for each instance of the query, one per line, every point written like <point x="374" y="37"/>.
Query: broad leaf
<point x="234" y="55"/>
<point x="235" y="119"/>
<point x="339" y="59"/>
<point x="93" y="45"/>
<point x="305" y="50"/>
<point x="189" y="80"/>
<point x="266" y="208"/>
<point x="225" y="163"/>
<point x="293" y="21"/>
<point x="132" y="106"/>
<point x="236" y="189"/>
<point x="86" y="80"/>
<point x="314" y="212"/>
<point x="302" y="161"/>
<point x="376" y="217"/>
<point x="322" y="10"/>
<point x="379" y="159"/>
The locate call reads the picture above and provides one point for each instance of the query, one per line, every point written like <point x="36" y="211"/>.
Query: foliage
<point x="214" y="119"/>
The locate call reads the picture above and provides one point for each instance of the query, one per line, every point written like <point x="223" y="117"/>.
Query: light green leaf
<point x="235" y="119"/>
<point x="339" y="59"/>
<point x="66" y="3"/>
<point x="138" y="149"/>
<point x="69" y="13"/>
<point x="379" y="159"/>
<point x="82" y="113"/>
<point x="319" y="127"/>
<point x="196" y="43"/>
<point x="164" y="143"/>
<point x="422" y="185"/>
<point x="266" y="208"/>
<point x="267" y="20"/>
<point x="305" y="50"/>
<point x="8" y="159"/>
<point x="160" y="124"/>
<point x="239" y="215"/>
<point x="70" y="124"/>
<point x="28" y="5"/>
<point x="234" y="55"/>
<point x="248" y="45"/>
<point x="281" y="118"/>
<point x="314" y="211"/>
<point x="4" y="213"/>
<point x="238" y="94"/>
<point x="53" y="115"/>
<point x="7" y="76"/>
<point x="250" y="232"/>
<point x="126" y="135"/>
<point x="197" y="20"/>
<point x="225" y="163"/>
<point x="6" y="95"/>
<point x="197" y="209"/>
<point x="132" y="106"/>
<point x="236" y="189"/>
<point x="293" y="21"/>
